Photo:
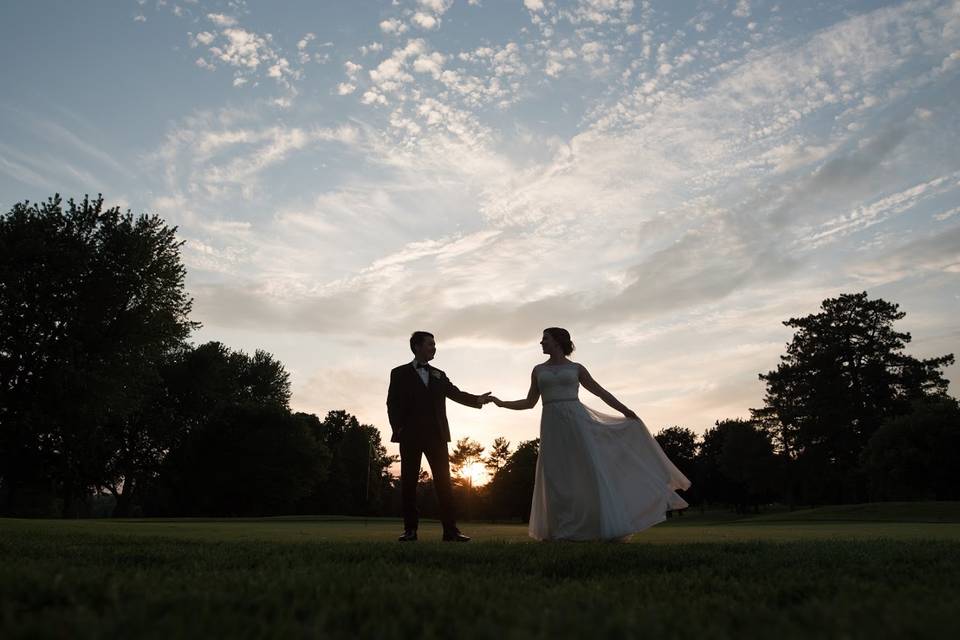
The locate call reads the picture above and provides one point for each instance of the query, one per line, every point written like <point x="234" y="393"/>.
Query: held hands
<point x="487" y="398"/>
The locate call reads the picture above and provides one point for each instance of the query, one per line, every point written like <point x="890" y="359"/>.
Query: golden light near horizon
<point x="475" y="473"/>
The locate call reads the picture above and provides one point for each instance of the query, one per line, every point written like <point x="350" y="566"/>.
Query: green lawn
<point x="860" y="571"/>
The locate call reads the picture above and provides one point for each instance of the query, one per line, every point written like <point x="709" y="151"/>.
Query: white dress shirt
<point x="422" y="372"/>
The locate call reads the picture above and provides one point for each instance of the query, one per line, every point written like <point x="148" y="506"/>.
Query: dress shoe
<point x="410" y="535"/>
<point x="455" y="536"/>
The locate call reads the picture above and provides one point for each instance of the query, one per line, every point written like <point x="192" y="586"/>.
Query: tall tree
<point x="843" y="374"/>
<point x="465" y="453"/>
<point x="511" y="490"/>
<point x="680" y="444"/>
<point x="498" y="456"/>
<point x="91" y="300"/>
<point x="737" y="465"/>
<point x="198" y="384"/>
<point x="358" y="481"/>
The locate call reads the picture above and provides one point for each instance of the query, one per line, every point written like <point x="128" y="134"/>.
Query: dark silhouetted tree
<point x="91" y="301"/>
<point x="498" y="456"/>
<point x="843" y="374"/>
<point x="681" y="446"/>
<point x="511" y="489"/>
<point x="358" y="481"/>
<point x="205" y="387"/>
<point x="747" y="460"/>
<point x="248" y="460"/>
<point x="465" y="453"/>
<point x="737" y="465"/>
<point x="914" y="456"/>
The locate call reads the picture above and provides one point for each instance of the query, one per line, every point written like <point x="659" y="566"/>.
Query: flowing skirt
<point x="599" y="477"/>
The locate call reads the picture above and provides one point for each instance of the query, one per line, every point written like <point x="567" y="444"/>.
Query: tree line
<point x="102" y="394"/>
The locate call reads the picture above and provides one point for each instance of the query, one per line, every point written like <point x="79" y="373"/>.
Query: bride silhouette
<point x="599" y="477"/>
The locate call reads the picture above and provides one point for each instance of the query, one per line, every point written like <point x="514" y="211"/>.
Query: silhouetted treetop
<point x="843" y="374"/>
<point x="91" y="300"/>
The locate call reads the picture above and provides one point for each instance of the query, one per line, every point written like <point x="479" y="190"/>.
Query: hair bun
<point x="562" y="336"/>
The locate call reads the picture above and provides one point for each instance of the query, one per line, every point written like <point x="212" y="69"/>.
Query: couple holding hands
<point x="598" y="477"/>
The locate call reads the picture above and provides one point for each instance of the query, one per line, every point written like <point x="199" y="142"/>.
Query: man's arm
<point x="451" y="391"/>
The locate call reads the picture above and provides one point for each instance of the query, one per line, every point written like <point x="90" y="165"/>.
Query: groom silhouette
<point x="417" y="408"/>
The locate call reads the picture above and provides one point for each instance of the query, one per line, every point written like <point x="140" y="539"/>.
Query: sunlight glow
<point x="475" y="473"/>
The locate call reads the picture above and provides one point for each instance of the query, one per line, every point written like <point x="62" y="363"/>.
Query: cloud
<point x="437" y="6"/>
<point x="247" y="52"/>
<point x="840" y="176"/>
<point x="215" y="155"/>
<point x="597" y="11"/>
<point x="242" y="49"/>
<point x="425" y="20"/>
<point x="432" y="64"/>
<point x="19" y="170"/>
<point x="696" y="179"/>
<point x="873" y="213"/>
<point x="88" y="147"/>
<point x="937" y="252"/>
<point x="274" y="145"/>
<point x="940" y="217"/>
<point x="393" y="26"/>
<point x="302" y="45"/>
<point x="221" y="20"/>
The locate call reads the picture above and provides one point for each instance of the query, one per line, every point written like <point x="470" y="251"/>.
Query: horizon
<point x="670" y="183"/>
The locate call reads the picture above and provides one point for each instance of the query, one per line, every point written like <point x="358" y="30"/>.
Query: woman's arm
<point x="591" y="385"/>
<point x="527" y="403"/>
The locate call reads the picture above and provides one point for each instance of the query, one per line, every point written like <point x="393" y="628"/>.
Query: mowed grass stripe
<point x="905" y="520"/>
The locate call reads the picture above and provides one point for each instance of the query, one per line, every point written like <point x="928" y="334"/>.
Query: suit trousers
<point x="411" y="453"/>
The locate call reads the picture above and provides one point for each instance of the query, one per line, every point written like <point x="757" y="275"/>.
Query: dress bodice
<point x="558" y="382"/>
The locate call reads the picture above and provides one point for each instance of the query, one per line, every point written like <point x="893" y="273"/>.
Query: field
<point x="858" y="571"/>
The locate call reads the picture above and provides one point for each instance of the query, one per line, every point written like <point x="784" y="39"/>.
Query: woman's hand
<point x="497" y="401"/>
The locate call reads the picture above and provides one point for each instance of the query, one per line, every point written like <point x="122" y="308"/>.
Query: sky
<point x="669" y="181"/>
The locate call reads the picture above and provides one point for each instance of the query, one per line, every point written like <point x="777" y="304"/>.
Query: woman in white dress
<point x="599" y="477"/>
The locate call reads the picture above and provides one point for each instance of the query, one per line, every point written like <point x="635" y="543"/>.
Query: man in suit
<point x="417" y="408"/>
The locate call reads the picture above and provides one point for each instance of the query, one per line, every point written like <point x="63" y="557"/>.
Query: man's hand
<point x="484" y="399"/>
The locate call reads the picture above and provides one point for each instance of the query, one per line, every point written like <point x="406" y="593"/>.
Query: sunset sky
<point x="668" y="180"/>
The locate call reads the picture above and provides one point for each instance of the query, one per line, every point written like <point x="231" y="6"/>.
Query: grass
<point x="788" y="575"/>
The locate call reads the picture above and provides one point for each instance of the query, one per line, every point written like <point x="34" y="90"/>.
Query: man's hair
<point x="417" y="338"/>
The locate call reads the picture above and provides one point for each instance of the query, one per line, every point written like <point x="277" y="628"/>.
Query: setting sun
<point x="475" y="473"/>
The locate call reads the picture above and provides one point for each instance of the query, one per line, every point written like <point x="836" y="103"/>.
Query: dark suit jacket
<point x="418" y="412"/>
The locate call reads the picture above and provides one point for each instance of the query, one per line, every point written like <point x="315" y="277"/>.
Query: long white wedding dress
<point x="598" y="477"/>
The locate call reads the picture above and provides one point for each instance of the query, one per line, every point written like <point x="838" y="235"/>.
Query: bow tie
<point x="422" y="365"/>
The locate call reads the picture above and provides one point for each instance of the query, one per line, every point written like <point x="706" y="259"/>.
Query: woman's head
<point x="559" y="337"/>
